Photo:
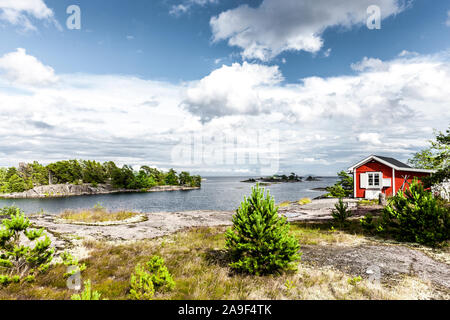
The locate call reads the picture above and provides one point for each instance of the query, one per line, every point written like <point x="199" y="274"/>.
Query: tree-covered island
<point x="105" y="177"/>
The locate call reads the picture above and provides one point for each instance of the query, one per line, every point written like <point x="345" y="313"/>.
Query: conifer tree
<point x="259" y="241"/>
<point x="17" y="260"/>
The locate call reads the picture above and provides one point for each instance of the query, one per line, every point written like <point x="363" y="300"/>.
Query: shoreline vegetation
<point x="87" y="177"/>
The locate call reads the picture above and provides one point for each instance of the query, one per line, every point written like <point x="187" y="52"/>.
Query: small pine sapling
<point x="259" y="241"/>
<point x="19" y="261"/>
<point x="341" y="213"/>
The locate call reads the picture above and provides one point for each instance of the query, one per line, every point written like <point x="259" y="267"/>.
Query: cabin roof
<point x="390" y="162"/>
<point x="394" y="162"/>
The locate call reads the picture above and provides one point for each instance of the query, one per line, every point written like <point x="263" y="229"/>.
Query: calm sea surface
<point x="217" y="193"/>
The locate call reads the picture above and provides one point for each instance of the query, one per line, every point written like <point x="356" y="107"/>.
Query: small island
<point x="87" y="177"/>
<point x="276" y="179"/>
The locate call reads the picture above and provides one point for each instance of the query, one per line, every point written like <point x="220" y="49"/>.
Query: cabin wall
<point x="400" y="178"/>
<point x="373" y="166"/>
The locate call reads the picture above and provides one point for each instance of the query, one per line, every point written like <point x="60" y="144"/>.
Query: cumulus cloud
<point x="373" y="138"/>
<point x="21" y="68"/>
<point x="387" y="107"/>
<point x="369" y="64"/>
<point x="232" y="89"/>
<point x="18" y="12"/>
<point x="324" y="124"/>
<point x="291" y="25"/>
<point x="381" y="91"/>
<point x="181" y="8"/>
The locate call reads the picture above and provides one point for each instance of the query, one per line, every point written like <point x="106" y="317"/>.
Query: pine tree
<point x="17" y="260"/>
<point x="259" y="241"/>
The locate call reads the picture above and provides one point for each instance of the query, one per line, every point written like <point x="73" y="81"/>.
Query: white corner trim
<point x="393" y="181"/>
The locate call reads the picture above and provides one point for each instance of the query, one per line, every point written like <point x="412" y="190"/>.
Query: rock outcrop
<point x="67" y="190"/>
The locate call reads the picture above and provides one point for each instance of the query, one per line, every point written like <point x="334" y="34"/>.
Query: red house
<point x="376" y="174"/>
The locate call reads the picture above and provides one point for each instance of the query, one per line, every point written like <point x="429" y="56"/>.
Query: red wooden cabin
<point x="376" y="174"/>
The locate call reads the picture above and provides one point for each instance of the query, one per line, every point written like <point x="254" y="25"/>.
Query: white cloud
<point x="22" y="69"/>
<point x="406" y="53"/>
<point x="182" y="8"/>
<point x="232" y="89"/>
<point x="290" y="25"/>
<point x="381" y="109"/>
<point x="369" y="64"/>
<point x="447" y="23"/>
<point x="324" y="124"/>
<point x="372" y="138"/>
<point x="18" y="12"/>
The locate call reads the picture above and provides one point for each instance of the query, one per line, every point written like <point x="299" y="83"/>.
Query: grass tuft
<point x="96" y="215"/>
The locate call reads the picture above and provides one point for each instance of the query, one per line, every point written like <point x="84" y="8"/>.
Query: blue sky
<point x="188" y="64"/>
<point x="162" y="43"/>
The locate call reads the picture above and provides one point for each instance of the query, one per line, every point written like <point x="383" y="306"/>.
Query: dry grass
<point x="365" y="202"/>
<point x="304" y="201"/>
<point x="96" y="215"/>
<point x="199" y="266"/>
<point x="284" y="204"/>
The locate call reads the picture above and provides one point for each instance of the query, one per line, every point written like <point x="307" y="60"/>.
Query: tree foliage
<point x="343" y="187"/>
<point x="259" y="241"/>
<point x="147" y="280"/>
<point x="415" y="215"/>
<point x="87" y="294"/>
<point x="17" y="260"/>
<point x="435" y="157"/>
<point x="341" y="213"/>
<point x="27" y="176"/>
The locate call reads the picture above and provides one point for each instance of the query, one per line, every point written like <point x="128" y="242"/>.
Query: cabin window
<point x="374" y="179"/>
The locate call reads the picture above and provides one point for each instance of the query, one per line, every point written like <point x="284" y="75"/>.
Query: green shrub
<point x="70" y="260"/>
<point x="343" y="188"/>
<point x="16" y="259"/>
<point x="259" y="241"/>
<point x="8" y="211"/>
<point x="341" y="213"/>
<point x="415" y="215"/>
<point x="367" y="223"/>
<point x="145" y="281"/>
<point x="354" y="281"/>
<point x="336" y="191"/>
<point x="87" y="293"/>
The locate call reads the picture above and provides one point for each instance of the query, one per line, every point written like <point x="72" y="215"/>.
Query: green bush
<point x="259" y="241"/>
<point x="341" y="213"/>
<point x="70" y="261"/>
<point x="17" y="259"/>
<point x="336" y="191"/>
<point x="146" y="281"/>
<point x="87" y="293"/>
<point x="343" y="188"/>
<point x="367" y="223"/>
<point x="415" y="215"/>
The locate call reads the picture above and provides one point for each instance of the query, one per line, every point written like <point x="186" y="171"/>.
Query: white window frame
<point x="380" y="180"/>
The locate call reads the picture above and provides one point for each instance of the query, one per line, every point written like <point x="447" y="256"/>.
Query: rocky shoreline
<point x="71" y="190"/>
